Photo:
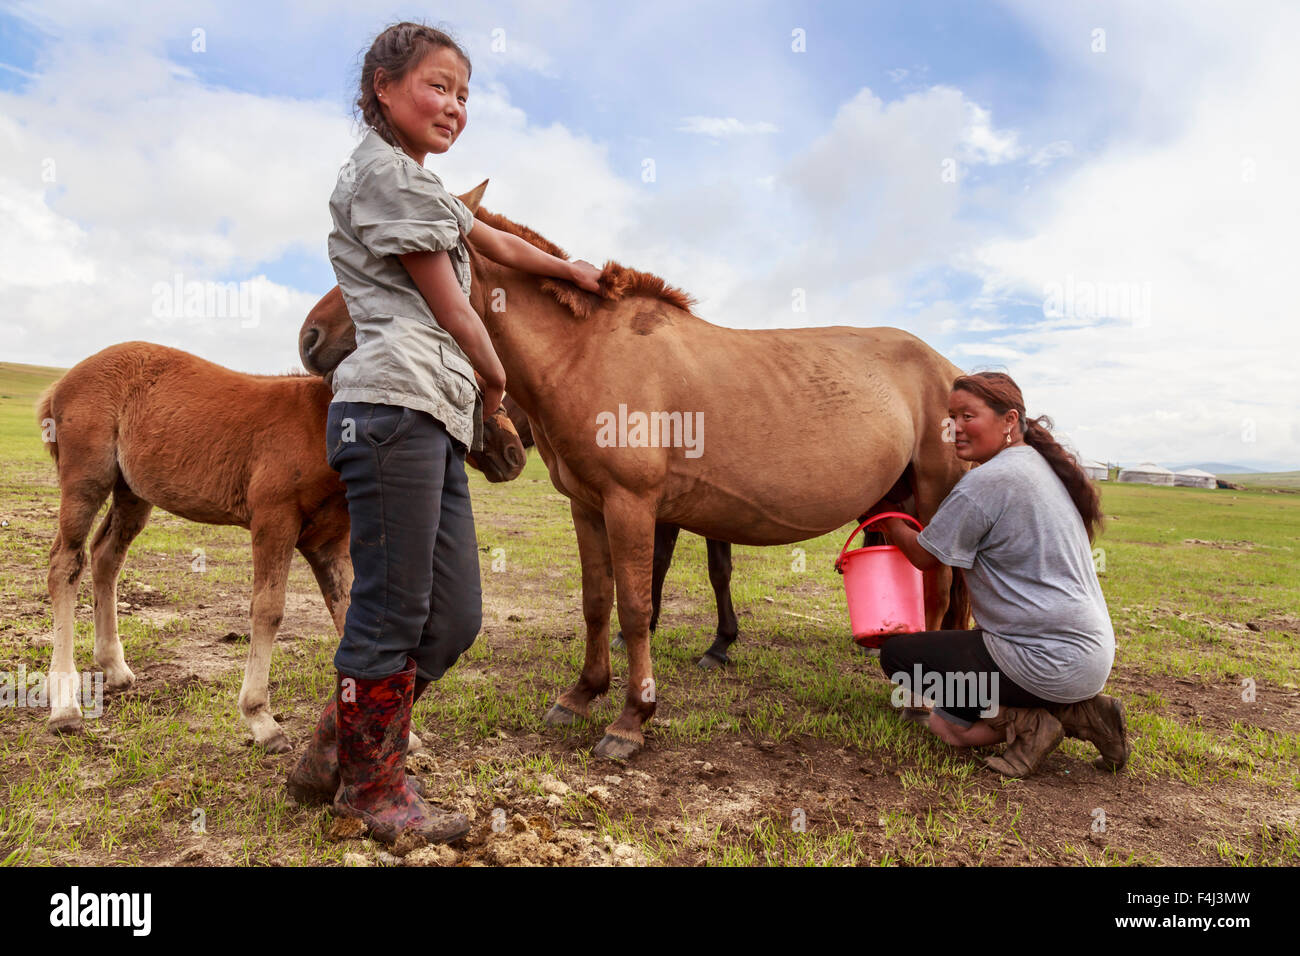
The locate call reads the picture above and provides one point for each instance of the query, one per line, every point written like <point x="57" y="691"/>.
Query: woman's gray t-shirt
<point x="1034" y="590"/>
<point x="384" y="205"/>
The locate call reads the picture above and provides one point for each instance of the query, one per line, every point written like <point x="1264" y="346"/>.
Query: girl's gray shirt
<point x="1033" y="587"/>
<point x="386" y="204"/>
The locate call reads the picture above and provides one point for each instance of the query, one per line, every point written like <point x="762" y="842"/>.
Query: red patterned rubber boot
<point x="316" y="777"/>
<point x="373" y="731"/>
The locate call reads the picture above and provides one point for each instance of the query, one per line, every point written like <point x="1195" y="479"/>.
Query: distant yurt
<point x="1095" y="470"/>
<point x="1147" y="474"/>
<point x="1195" y="478"/>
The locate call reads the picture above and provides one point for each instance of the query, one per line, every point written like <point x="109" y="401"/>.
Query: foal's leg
<point x="274" y="537"/>
<point x="728" y="627"/>
<point x="125" y="519"/>
<point x="597" y="601"/>
<point x="630" y="523"/>
<point x="665" y="544"/>
<point x="331" y="563"/>
<point x="78" y="506"/>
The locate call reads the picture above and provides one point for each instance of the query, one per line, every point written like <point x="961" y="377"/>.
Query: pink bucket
<point x="884" y="589"/>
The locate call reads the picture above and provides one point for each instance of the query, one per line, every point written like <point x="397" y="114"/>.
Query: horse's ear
<point x="474" y="196"/>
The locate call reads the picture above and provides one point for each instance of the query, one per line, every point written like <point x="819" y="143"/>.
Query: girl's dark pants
<point x="961" y="653"/>
<point x="415" y="587"/>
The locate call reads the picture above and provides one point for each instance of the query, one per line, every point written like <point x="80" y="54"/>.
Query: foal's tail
<point x="45" y="419"/>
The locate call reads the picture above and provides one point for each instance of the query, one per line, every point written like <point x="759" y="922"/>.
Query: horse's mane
<point x="616" y="281"/>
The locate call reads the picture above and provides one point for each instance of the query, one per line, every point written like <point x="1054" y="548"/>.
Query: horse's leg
<point x="728" y="627"/>
<point x="274" y="537"/>
<point x="631" y="525"/>
<point x="597" y="601"/>
<point x="82" y="494"/>
<point x="125" y="519"/>
<point x="331" y="563"/>
<point x="665" y="544"/>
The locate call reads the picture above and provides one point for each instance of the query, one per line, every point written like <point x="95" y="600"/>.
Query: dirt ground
<point x="736" y="797"/>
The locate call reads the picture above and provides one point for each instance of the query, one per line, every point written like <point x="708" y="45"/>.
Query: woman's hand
<point x="890" y="527"/>
<point x="584" y="275"/>
<point x="903" y="536"/>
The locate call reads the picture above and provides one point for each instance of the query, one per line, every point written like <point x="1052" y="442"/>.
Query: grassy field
<point x="792" y="755"/>
<point x="1282" y="481"/>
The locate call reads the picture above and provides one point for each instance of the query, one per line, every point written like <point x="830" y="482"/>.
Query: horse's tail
<point x="957" y="617"/>
<point x="45" y="419"/>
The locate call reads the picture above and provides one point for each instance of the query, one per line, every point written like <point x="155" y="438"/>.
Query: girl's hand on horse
<point x="510" y="250"/>
<point x="584" y="275"/>
<point x="492" y="398"/>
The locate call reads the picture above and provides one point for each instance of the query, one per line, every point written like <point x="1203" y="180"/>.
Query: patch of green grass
<point x="127" y="790"/>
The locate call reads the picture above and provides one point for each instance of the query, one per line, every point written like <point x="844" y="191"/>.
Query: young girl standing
<point x="405" y="412"/>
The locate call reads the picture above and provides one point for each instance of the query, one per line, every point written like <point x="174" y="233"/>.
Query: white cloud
<point x="723" y="126"/>
<point x="1050" y="153"/>
<point x="987" y="351"/>
<point x="157" y="173"/>
<point x="1178" y="178"/>
<point x="981" y="143"/>
<point x="875" y="179"/>
<point x="1205" y="220"/>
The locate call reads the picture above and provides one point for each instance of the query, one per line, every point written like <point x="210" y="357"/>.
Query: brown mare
<point x="157" y="426"/>
<point x="718" y="557"/>
<point x="863" y="405"/>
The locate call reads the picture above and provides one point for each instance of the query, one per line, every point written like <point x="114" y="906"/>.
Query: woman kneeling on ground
<point x="1021" y="525"/>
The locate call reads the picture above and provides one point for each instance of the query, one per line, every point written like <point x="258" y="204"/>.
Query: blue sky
<point x="1146" y="169"/>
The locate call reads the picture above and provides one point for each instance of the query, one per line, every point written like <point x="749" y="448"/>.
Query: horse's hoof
<point x="618" y="644"/>
<point x="710" y="661"/>
<point x="118" y="680"/>
<point x="616" y="748"/>
<point x="279" y="744"/>
<point x="561" y="716"/>
<point x="67" y="724"/>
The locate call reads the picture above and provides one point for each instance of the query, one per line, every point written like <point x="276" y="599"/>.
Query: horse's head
<point x="503" y="455"/>
<point x="328" y="336"/>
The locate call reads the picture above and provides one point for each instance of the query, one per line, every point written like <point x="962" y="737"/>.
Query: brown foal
<point x="155" y="426"/>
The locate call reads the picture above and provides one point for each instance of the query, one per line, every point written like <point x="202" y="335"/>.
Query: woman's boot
<point x="316" y="777"/>
<point x="1100" y="721"/>
<point x="372" y="736"/>
<point x="1032" y="733"/>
